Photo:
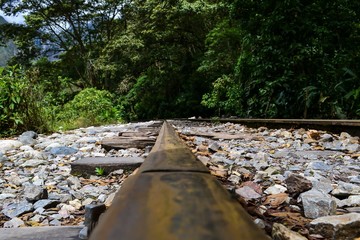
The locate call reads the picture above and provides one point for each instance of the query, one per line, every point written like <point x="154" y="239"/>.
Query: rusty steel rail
<point x="174" y="197"/>
<point x="331" y="125"/>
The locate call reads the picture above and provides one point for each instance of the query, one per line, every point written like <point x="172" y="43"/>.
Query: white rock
<point x="33" y="163"/>
<point x="351" y="201"/>
<point x="34" y="154"/>
<point x="281" y="232"/>
<point x="276" y="189"/>
<point x="26" y="148"/>
<point x="76" y="203"/>
<point x="101" y="198"/>
<point x="7" y="145"/>
<point x="339" y="227"/>
<point x="109" y="199"/>
<point x="87" y="201"/>
<point x="14" y="223"/>
<point x="37" y="218"/>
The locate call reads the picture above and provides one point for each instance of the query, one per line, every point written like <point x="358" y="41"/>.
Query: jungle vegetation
<point x="84" y="62"/>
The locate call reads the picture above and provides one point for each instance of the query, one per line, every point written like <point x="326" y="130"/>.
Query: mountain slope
<point x="8" y="51"/>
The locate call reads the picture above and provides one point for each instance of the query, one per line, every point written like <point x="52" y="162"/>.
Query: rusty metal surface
<point x="331" y="125"/>
<point x="174" y="199"/>
<point x="171" y="154"/>
<point x="175" y="205"/>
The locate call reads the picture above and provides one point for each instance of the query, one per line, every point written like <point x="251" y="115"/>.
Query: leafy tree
<point x="77" y="29"/>
<point x="293" y="59"/>
<point x="154" y="61"/>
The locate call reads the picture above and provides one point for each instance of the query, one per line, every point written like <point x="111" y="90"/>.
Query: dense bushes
<point x="25" y="105"/>
<point x="89" y="107"/>
<point x="20" y="102"/>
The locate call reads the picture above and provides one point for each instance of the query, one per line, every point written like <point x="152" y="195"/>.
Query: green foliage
<point x="89" y="107"/>
<point x="99" y="171"/>
<point x="20" y="106"/>
<point x="163" y="59"/>
<point x="291" y="59"/>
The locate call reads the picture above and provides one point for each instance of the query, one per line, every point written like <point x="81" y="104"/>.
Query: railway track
<point x="173" y="196"/>
<point x="335" y="126"/>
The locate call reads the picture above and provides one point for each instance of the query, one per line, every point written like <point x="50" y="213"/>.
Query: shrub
<point x="89" y="107"/>
<point x="20" y="103"/>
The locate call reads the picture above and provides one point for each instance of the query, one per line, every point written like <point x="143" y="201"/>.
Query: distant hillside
<point x="2" y="20"/>
<point x="6" y="52"/>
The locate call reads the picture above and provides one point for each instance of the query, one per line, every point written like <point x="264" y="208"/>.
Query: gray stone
<point x="76" y="203"/>
<point x="353" y="209"/>
<point x="62" y="197"/>
<point x="39" y="210"/>
<point x="74" y="182"/>
<point x="351" y="201"/>
<point x="353" y="147"/>
<point x="28" y="138"/>
<point x="14" y="223"/>
<point x="247" y="192"/>
<point x="286" y="134"/>
<point x="214" y="147"/>
<point x="3" y="158"/>
<point x="88" y="201"/>
<point x="55" y="222"/>
<point x="277" y="178"/>
<point x="354" y="179"/>
<point x="7" y="195"/>
<point x="334" y="146"/>
<point x="37" y="218"/>
<point x="294" y="168"/>
<point x="235" y="179"/>
<point x="52" y="145"/>
<point x="323" y="185"/>
<point x="326" y="138"/>
<point x="346" y="189"/>
<point x="87" y="140"/>
<point x="14" y="179"/>
<point x="33" y="193"/>
<point x="45" y="203"/>
<point x="33" y="163"/>
<point x="260" y="223"/>
<point x="317" y="204"/>
<point x="17" y="209"/>
<point x="318" y="165"/>
<point x="34" y="154"/>
<point x="272" y="170"/>
<point x="63" y="150"/>
<point x="117" y="172"/>
<point x="340" y="227"/>
<point x="280" y="232"/>
<point x="7" y="145"/>
<point x="280" y="154"/>
<point x="76" y="194"/>
<point x="344" y="135"/>
<point x="83" y="234"/>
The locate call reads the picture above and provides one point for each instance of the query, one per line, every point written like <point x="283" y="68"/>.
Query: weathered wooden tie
<point x="173" y="196"/>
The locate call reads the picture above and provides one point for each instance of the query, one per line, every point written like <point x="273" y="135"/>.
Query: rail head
<point x="168" y="200"/>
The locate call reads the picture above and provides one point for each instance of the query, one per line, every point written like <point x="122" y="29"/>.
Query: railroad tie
<point x="174" y="196"/>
